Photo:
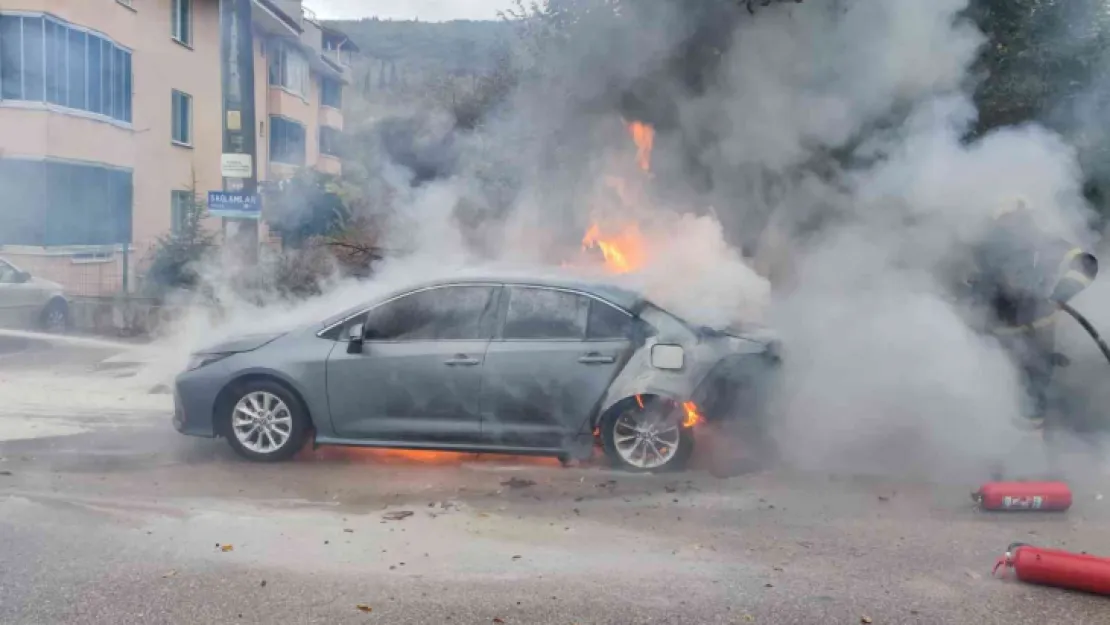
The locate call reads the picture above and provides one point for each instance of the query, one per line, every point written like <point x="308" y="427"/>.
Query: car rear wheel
<point x="265" y="422"/>
<point x="646" y="436"/>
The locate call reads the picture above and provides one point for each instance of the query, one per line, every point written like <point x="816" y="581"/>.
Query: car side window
<point x="7" y="273"/>
<point x="607" y="322"/>
<point x="443" y="314"/>
<point x="537" y="314"/>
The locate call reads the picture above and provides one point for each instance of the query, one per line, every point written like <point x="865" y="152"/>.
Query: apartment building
<point x="111" y="114"/>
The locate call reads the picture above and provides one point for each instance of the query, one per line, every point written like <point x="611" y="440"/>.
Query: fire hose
<point x="1083" y="321"/>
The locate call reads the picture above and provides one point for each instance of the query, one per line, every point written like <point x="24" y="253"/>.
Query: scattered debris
<point x="225" y="548"/>
<point x="5" y="472"/>
<point x="262" y="584"/>
<point x="768" y="585"/>
<point x="362" y="607"/>
<point x="348" y="530"/>
<point x="516" y="482"/>
<point x="398" y="515"/>
<point x="607" y="484"/>
<point x="170" y="574"/>
<point x="517" y="557"/>
<point x="866" y="620"/>
<point x="973" y="574"/>
<point x="498" y="620"/>
<point x="884" y="498"/>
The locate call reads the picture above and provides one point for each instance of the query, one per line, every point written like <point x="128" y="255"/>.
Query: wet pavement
<point x="126" y="521"/>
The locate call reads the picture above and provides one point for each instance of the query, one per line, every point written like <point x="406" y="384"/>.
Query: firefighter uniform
<point x="1021" y="276"/>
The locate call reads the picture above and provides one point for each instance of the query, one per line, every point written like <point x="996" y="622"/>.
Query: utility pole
<point x="240" y="157"/>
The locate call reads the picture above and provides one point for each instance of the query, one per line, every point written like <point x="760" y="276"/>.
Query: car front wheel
<point x="646" y="436"/>
<point x="55" y="317"/>
<point x="265" y="422"/>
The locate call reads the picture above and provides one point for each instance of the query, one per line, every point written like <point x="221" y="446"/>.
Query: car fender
<point x="639" y="377"/>
<point x="316" y="406"/>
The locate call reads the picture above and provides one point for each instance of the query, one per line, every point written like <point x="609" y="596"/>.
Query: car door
<point x="545" y="372"/>
<point x="19" y="300"/>
<point x="418" y="376"/>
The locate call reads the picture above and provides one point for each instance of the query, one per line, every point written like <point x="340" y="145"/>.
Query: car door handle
<point x="462" y="360"/>
<point x="594" y="358"/>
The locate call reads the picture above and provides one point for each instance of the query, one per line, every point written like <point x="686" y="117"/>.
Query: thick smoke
<point x="823" y="155"/>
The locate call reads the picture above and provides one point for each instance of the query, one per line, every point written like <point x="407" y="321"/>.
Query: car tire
<point x="265" y="422"/>
<point x="55" y="317"/>
<point x="655" y="419"/>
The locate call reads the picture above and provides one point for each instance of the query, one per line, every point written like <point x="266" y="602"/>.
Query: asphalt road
<point x="125" y="521"/>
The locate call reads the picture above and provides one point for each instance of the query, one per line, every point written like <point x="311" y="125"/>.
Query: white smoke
<point x="840" y="127"/>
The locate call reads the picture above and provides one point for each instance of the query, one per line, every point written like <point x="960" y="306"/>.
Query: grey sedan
<point x="521" y="366"/>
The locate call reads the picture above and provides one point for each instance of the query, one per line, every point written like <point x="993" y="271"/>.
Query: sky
<point x="425" y="10"/>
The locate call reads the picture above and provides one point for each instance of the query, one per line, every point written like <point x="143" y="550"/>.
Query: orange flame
<point x="643" y="135"/>
<point x="693" y="417"/>
<point x="623" y="253"/>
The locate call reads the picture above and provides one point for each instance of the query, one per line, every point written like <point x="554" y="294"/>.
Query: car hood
<point x="243" y="343"/>
<point x="45" y="285"/>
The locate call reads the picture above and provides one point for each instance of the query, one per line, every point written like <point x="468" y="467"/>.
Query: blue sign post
<point x="234" y="205"/>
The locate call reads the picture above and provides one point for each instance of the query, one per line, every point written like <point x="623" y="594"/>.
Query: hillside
<point x="457" y="47"/>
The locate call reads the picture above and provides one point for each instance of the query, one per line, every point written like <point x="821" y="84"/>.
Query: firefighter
<point x="1021" y="274"/>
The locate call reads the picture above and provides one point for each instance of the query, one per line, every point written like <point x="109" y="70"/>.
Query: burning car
<point x="511" y="365"/>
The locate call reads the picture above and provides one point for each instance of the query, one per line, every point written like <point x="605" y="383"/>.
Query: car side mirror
<point x="355" y="339"/>
<point x="668" y="357"/>
<point x="22" y="276"/>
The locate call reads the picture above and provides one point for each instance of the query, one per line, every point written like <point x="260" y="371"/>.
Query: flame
<point x="693" y="417"/>
<point x="364" y="455"/>
<point x="640" y="401"/>
<point x="643" y="135"/>
<point x="623" y="252"/>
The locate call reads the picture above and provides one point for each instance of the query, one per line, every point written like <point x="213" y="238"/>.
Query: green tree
<point x="176" y="257"/>
<point x="305" y="206"/>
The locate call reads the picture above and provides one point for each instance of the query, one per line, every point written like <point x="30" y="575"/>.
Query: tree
<point x="176" y="257"/>
<point x="305" y="206"/>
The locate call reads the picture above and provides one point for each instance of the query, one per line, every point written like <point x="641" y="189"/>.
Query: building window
<point x="289" y="69"/>
<point x="181" y="22"/>
<point x="329" y="141"/>
<point x="182" y="118"/>
<point x="64" y="203"/>
<point x="287" y="144"/>
<point x="181" y="203"/>
<point x="43" y="59"/>
<point x="331" y="93"/>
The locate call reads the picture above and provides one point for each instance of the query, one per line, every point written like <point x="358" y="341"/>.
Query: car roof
<point x="625" y="298"/>
<point x="615" y="294"/>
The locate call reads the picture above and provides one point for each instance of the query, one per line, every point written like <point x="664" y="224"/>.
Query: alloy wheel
<point x="262" y="422"/>
<point x="55" y="321"/>
<point x="645" y="439"/>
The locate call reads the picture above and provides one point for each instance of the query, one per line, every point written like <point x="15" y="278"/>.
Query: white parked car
<point x="30" y="302"/>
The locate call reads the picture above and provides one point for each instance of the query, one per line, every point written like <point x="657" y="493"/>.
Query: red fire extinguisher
<point x="1062" y="569"/>
<point x="1048" y="496"/>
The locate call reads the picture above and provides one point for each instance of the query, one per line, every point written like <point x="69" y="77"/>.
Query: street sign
<point x="234" y="205"/>
<point x="235" y="165"/>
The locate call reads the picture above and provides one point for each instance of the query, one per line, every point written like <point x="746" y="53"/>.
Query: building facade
<point x="111" y="117"/>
